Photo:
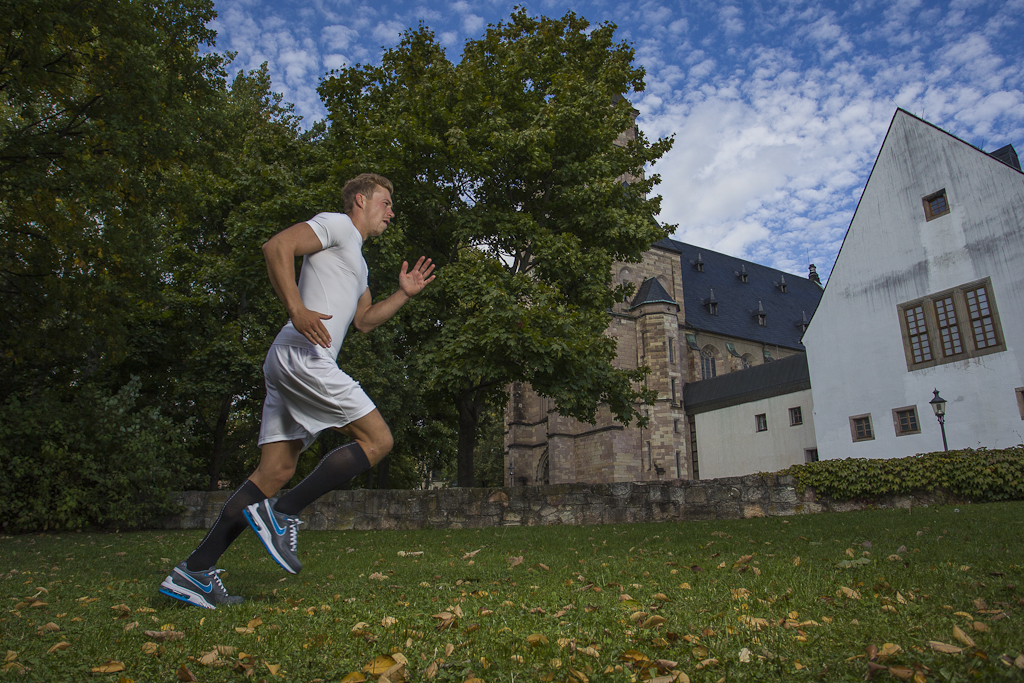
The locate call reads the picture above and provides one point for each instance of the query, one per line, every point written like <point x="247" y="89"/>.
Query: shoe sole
<point x="184" y="595"/>
<point x="266" y="538"/>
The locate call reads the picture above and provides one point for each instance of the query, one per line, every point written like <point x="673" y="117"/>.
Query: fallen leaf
<point x="890" y="649"/>
<point x="943" y="647"/>
<point x="901" y="672"/>
<point x="745" y="655"/>
<point x="654" y="622"/>
<point x="111" y="666"/>
<point x="850" y="593"/>
<point x="537" y="639"/>
<point x="515" y="561"/>
<point x="150" y="648"/>
<point x="209" y="658"/>
<point x="964" y="639"/>
<point x="49" y="627"/>
<point x="184" y="674"/>
<point x="58" y="647"/>
<point x="166" y="635"/>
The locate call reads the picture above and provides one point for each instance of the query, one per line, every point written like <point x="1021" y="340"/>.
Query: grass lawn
<point x="933" y="594"/>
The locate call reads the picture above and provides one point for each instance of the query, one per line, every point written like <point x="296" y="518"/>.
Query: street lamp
<point x="939" y="406"/>
<point x="511" y="474"/>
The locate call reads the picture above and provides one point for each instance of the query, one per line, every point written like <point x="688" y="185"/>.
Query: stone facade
<point x="543" y="447"/>
<point x="578" y="504"/>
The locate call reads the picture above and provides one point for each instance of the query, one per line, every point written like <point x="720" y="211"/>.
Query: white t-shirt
<point x="331" y="280"/>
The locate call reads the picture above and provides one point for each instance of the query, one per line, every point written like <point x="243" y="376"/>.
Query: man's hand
<point x="308" y="323"/>
<point x="413" y="281"/>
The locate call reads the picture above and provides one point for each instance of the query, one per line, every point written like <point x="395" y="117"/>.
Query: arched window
<point x="707" y="362"/>
<point x="747" y="361"/>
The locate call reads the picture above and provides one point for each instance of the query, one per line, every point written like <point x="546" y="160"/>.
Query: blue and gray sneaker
<point x="202" y="589"/>
<point x="278" y="532"/>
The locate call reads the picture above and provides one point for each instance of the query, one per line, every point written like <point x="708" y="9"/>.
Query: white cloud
<point x="338" y="37"/>
<point x="473" y="25"/>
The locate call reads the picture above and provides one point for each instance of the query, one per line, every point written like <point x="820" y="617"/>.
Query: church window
<point x="707" y="363"/>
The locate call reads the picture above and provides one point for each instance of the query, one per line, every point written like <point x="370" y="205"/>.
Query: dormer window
<point x="802" y="323"/>
<point x="742" y="274"/>
<point x="762" y="317"/>
<point x="698" y="264"/>
<point x="711" y="302"/>
<point x="781" y="284"/>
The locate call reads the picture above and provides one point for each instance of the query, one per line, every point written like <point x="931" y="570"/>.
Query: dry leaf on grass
<point x="964" y="639"/>
<point x="184" y="674"/>
<point x="58" y="647"/>
<point x="166" y="635"/>
<point x="515" y="561"/>
<point x="944" y="647"/>
<point x="111" y="666"/>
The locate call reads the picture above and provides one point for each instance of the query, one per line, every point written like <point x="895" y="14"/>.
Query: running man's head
<point x="367" y="199"/>
<point x="365" y="184"/>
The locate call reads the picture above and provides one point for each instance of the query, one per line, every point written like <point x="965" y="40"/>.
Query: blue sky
<point x="778" y="108"/>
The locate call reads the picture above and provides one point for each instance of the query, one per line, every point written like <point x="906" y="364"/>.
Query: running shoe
<point x="202" y="589"/>
<point x="278" y="532"/>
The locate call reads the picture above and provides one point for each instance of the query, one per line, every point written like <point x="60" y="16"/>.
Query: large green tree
<point x="99" y="103"/>
<point x="511" y="173"/>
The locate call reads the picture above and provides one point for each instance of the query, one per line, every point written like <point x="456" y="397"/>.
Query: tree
<point x="508" y="175"/>
<point x="99" y="102"/>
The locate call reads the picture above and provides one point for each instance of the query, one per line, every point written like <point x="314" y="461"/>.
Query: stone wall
<point x="578" y="504"/>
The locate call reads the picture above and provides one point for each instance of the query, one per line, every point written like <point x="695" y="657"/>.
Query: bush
<point x="977" y="475"/>
<point x="92" y="460"/>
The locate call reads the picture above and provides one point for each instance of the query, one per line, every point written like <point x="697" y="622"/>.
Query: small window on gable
<point x="905" y="421"/>
<point x="796" y="416"/>
<point x="860" y="428"/>
<point x="1020" y="400"/>
<point x="761" y="422"/>
<point x="936" y="205"/>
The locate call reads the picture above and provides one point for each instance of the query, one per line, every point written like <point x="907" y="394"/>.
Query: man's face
<point x="377" y="208"/>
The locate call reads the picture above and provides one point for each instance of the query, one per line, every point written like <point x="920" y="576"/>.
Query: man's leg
<point x="195" y="580"/>
<point x="372" y="442"/>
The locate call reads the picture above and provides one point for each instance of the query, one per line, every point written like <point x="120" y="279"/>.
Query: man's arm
<point x="280" y="252"/>
<point x="370" y="315"/>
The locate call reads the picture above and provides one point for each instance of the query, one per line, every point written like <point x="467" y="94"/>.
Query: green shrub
<point x="93" y="459"/>
<point x="977" y="475"/>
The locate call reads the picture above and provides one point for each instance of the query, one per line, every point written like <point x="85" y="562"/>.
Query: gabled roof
<point x="738" y="302"/>
<point x="753" y="384"/>
<point x="651" y="292"/>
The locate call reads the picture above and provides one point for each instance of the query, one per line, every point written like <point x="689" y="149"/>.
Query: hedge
<point x="980" y="475"/>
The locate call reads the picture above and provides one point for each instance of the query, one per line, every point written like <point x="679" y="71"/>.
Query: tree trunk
<point x="217" y="456"/>
<point x="469" y="420"/>
<point x="383" y="472"/>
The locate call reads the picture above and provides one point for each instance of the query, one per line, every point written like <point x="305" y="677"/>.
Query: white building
<point x="927" y="293"/>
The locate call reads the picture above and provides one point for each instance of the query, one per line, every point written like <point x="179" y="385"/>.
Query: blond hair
<point x="365" y="184"/>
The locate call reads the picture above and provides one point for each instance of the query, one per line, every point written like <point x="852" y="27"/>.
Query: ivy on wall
<point x="980" y="475"/>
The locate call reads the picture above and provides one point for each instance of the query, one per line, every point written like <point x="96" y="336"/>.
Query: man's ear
<point x="360" y="200"/>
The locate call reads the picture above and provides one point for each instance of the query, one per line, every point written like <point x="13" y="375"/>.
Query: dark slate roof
<point x="651" y="292"/>
<point x="738" y="302"/>
<point x="1007" y="155"/>
<point x="753" y="384"/>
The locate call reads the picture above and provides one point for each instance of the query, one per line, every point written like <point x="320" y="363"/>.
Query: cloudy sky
<point x="778" y="108"/>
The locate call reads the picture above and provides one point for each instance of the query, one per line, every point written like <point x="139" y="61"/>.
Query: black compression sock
<point x="230" y="523"/>
<point x="335" y="468"/>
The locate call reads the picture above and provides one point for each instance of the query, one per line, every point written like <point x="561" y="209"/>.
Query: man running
<point x="306" y="391"/>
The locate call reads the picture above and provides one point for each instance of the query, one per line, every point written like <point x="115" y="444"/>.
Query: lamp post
<point x="939" y="406"/>
<point x="511" y="474"/>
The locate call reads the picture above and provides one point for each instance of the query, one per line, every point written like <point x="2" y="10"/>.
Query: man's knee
<point x="379" y="445"/>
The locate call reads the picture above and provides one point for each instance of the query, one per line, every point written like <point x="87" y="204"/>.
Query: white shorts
<point x="306" y="394"/>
